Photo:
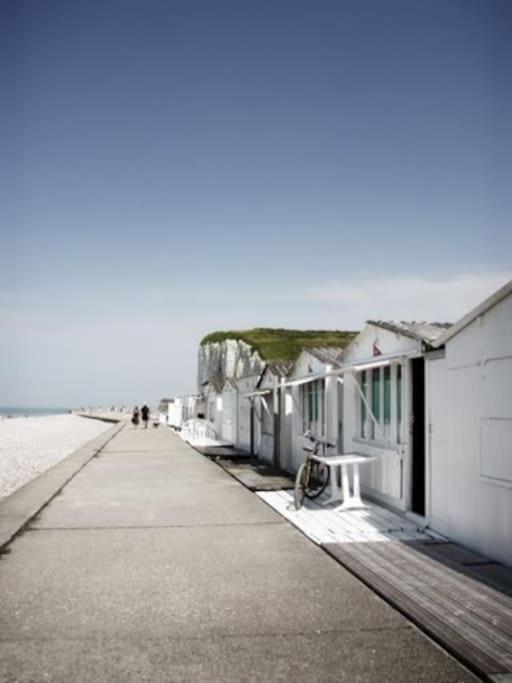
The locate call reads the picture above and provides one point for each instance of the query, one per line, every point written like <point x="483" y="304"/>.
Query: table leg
<point x="335" y="489"/>
<point x="351" y="501"/>
<point x="345" y="483"/>
<point x="356" y="491"/>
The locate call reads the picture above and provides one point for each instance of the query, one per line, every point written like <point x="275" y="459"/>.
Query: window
<point x="382" y="389"/>
<point x="375" y="398"/>
<point x="387" y="395"/>
<point x="313" y="405"/>
<point x="364" y="389"/>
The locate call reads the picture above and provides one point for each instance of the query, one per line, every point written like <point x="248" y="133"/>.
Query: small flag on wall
<point x="376" y="350"/>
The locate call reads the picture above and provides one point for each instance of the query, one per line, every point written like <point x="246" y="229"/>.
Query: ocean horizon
<point x="37" y="411"/>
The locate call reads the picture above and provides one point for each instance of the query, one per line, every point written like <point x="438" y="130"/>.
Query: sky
<point x="170" y="168"/>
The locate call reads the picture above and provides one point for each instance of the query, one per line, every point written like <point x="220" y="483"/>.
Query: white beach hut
<point x="229" y="411"/>
<point x="211" y="392"/>
<point x="163" y="410"/>
<point x="175" y="418"/>
<point x="310" y="401"/>
<point x="266" y="401"/>
<point x="470" y="419"/>
<point x="245" y="416"/>
<point x="385" y="404"/>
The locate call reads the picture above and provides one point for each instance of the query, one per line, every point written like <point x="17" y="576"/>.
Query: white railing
<point x="198" y="432"/>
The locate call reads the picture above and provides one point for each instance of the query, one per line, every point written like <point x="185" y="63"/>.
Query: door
<point x="267" y="429"/>
<point x="418" y="436"/>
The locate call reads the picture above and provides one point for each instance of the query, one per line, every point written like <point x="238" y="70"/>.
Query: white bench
<point x="350" y="499"/>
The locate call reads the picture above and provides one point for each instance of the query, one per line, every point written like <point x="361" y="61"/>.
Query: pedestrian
<point x="135" y="416"/>
<point x="145" y="415"/>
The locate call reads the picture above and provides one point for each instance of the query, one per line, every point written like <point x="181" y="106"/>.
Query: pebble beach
<point x="30" y="445"/>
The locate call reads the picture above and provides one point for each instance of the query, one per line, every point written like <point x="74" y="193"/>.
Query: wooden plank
<point x="500" y="602"/>
<point x="478" y="620"/>
<point x="447" y="580"/>
<point x="475" y="638"/>
<point x="438" y="629"/>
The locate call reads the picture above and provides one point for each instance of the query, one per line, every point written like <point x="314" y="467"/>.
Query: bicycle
<point x="313" y="476"/>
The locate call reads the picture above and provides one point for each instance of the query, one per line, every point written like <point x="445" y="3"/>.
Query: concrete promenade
<point x="153" y="564"/>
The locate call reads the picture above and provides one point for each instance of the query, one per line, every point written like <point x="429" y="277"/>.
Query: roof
<point x="333" y="355"/>
<point x="281" y="368"/>
<point x="230" y="380"/>
<point x="420" y="331"/>
<point x="215" y="383"/>
<point x="479" y="310"/>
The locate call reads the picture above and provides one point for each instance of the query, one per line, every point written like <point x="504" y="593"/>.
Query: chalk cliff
<point x="229" y="358"/>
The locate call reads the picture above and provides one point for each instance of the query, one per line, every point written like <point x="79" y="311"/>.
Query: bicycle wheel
<point x="300" y="487"/>
<point x="318" y="480"/>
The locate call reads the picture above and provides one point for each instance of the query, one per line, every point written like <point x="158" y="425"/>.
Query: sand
<point x="30" y="445"/>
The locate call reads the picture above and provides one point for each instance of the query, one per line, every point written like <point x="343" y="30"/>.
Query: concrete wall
<point x="471" y="435"/>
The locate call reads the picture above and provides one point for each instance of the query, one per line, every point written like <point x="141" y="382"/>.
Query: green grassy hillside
<point x="278" y="344"/>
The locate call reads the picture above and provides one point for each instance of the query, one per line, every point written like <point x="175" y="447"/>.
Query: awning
<point x="261" y="392"/>
<point x="304" y="380"/>
<point x="370" y="365"/>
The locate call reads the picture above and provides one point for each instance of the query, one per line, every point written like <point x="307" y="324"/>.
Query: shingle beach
<point x="30" y="445"/>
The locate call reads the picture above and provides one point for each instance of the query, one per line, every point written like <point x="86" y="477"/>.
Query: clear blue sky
<point x="169" y="168"/>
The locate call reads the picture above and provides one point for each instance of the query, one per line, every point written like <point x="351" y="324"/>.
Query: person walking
<point x="135" y="416"/>
<point x="145" y="415"/>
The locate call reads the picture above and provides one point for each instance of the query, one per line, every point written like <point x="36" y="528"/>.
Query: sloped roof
<point x="333" y="355"/>
<point x="420" y="331"/>
<point x="281" y="368"/>
<point x="215" y="383"/>
<point x="488" y="303"/>
<point x="230" y="380"/>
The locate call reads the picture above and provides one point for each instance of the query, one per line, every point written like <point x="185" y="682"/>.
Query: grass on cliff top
<point x="278" y="344"/>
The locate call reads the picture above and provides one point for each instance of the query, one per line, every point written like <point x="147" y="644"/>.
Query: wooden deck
<point x="405" y="564"/>
<point x="255" y="475"/>
<point x="324" y="525"/>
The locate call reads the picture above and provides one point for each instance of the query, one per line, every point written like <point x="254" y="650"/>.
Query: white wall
<point x="471" y="435"/>
<point x="264" y="418"/>
<point x="229" y="414"/>
<point x="388" y="478"/>
<point x="213" y="410"/>
<point x="292" y="441"/>
<point x="243" y="438"/>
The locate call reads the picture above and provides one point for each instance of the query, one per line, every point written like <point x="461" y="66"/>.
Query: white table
<point x="353" y="460"/>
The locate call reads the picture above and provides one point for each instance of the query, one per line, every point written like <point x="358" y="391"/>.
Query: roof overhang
<point x="305" y="380"/>
<point x="260" y="392"/>
<point x="482" y="308"/>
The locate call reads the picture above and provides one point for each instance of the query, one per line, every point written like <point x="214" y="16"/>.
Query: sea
<point x="17" y="411"/>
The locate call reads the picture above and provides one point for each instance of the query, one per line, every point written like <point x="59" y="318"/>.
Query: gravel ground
<point x="30" y="445"/>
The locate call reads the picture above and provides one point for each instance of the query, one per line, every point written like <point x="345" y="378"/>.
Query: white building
<point x="246" y="414"/>
<point x="229" y="421"/>
<point x="211" y="392"/>
<point x="310" y="401"/>
<point x="266" y="399"/>
<point x="385" y="403"/>
<point x="163" y="410"/>
<point x="470" y="419"/>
